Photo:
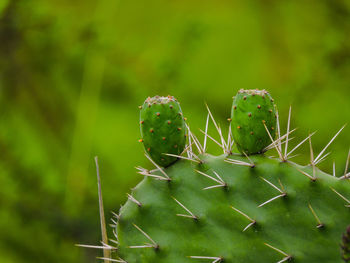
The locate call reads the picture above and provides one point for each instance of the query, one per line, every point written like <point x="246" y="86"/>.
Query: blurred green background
<point x="72" y="74"/>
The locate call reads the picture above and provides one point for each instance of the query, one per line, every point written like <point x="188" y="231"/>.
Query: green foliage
<point x="163" y="129"/>
<point x="252" y="110"/>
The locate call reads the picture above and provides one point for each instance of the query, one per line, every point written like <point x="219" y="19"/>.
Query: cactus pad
<point x="163" y="129"/>
<point x="252" y="213"/>
<point x="251" y="109"/>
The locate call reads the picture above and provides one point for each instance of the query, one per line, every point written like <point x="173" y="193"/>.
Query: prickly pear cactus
<point x="253" y="111"/>
<point x="234" y="208"/>
<point x="163" y="129"/>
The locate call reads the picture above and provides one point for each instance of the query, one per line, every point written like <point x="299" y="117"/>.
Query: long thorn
<point x="271" y="184"/>
<point x="325" y="148"/>
<point x="238" y="162"/>
<point x="274" y="142"/>
<point x="195" y="140"/>
<point x="133" y="199"/>
<point x="146" y="235"/>
<point x="106" y="252"/>
<point x="216" y="259"/>
<point x="296" y="147"/>
<point x="341" y="196"/>
<point x="217" y="127"/>
<point x="113" y="260"/>
<point x="306" y="174"/>
<point x="97" y="247"/>
<point x="158" y="167"/>
<point x="324" y="157"/>
<point x="243" y="214"/>
<point x="205" y="134"/>
<point x="347" y="163"/>
<point x="272" y="199"/>
<point x="279" y="133"/>
<point x="288" y="126"/>
<point x="319" y="224"/>
<point x="183" y="157"/>
<point x="210" y="177"/>
<point x="278" y="250"/>
<point x="186" y="209"/>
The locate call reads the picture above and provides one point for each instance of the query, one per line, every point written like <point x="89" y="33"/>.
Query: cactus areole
<point x="232" y="208"/>
<point x="163" y="129"/>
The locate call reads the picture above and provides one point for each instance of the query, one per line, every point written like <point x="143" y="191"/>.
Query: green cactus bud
<point x="251" y="111"/>
<point x="163" y="129"/>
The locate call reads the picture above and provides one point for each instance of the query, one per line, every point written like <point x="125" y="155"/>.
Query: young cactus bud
<point x="163" y="129"/>
<point x="251" y="111"/>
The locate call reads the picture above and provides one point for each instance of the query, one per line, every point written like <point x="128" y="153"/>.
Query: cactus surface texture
<point x="163" y="129"/>
<point x="234" y="208"/>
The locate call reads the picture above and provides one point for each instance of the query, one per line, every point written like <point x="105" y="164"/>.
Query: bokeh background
<point x="72" y="74"/>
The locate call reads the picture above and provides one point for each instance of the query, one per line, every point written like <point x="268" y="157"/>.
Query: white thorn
<point x="313" y="178"/>
<point x="96" y="247"/>
<point x="324" y="157"/>
<point x="288" y="126"/>
<point x="205" y="134"/>
<point x="315" y="215"/>
<point x="113" y="260"/>
<point x="279" y="133"/>
<point x="158" y="167"/>
<point x="195" y="140"/>
<point x="217" y="128"/>
<point x="274" y="142"/>
<point x="147" y="236"/>
<point x="271" y="184"/>
<point x="341" y="196"/>
<point x="216" y="259"/>
<point x="272" y="199"/>
<point x="238" y="162"/>
<point x="106" y="252"/>
<point x="212" y="178"/>
<point x="325" y="148"/>
<point x="182" y="157"/>
<point x="296" y="147"/>
<point x="278" y="250"/>
<point x="131" y="198"/>
<point x="186" y="209"/>
<point x="347" y="163"/>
